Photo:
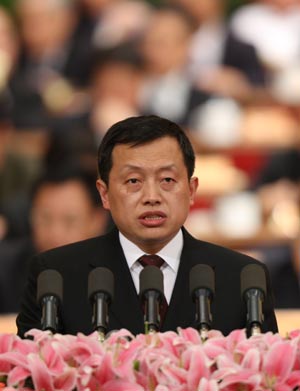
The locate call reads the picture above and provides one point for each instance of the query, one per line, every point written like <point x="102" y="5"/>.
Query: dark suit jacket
<point x="75" y="261"/>
<point x="242" y="56"/>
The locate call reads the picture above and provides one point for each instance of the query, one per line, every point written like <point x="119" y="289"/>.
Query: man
<point x="64" y="208"/>
<point x="145" y="179"/>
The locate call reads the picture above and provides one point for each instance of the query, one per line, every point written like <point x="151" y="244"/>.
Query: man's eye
<point x="168" y="180"/>
<point x="132" y="180"/>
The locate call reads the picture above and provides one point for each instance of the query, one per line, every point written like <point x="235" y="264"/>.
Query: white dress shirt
<point x="170" y="254"/>
<point x="206" y="50"/>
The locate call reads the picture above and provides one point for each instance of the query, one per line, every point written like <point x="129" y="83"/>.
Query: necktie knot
<point x="151" y="260"/>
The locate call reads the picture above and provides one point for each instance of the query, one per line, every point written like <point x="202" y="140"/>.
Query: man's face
<point x="63" y="213"/>
<point x="149" y="193"/>
<point x="165" y="44"/>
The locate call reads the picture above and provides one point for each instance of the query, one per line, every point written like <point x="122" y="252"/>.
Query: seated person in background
<point x="116" y="79"/>
<point x="166" y="89"/>
<point x="278" y="188"/>
<point x="64" y="208"/>
<point x="220" y="62"/>
<point x="146" y="167"/>
<point x="268" y="25"/>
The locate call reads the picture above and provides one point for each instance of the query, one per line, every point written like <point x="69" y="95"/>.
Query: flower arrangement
<point x="167" y="361"/>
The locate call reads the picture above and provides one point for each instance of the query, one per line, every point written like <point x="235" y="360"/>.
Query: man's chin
<point x="155" y="241"/>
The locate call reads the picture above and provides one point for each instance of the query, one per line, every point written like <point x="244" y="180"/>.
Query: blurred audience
<point x="116" y="79"/>
<point x="15" y="175"/>
<point x="167" y="91"/>
<point x="273" y="28"/>
<point x="65" y="207"/>
<point x="121" y="21"/>
<point x="282" y="164"/>
<point x="9" y="48"/>
<point x="219" y="61"/>
<point x="278" y="189"/>
<point x="89" y="14"/>
<point x="52" y="66"/>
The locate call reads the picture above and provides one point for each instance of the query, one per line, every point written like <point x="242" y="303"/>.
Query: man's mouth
<point x="151" y="219"/>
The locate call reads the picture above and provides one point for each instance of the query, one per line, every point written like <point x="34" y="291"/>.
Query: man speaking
<point x="146" y="181"/>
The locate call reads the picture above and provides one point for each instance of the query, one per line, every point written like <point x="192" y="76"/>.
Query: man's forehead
<point x="162" y="149"/>
<point x="128" y="158"/>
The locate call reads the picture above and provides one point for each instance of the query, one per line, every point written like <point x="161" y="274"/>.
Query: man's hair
<point x="141" y="130"/>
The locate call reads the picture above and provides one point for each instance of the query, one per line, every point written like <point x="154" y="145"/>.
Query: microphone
<point x="100" y="293"/>
<point x="253" y="288"/>
<point x="151" y="294"/>
<point x="202" y="289"/>
<point x="49" y="296"/>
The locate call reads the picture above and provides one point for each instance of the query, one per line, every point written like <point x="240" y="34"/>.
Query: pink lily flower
<point x="207" y="385"/>
<point x="17" y="376"/>
<point x="40" y="374"/>
<point x="6" y="342"/>
<point x="120" y="385"/>
<point x="197" y="365"/>
<point x="11" y="359"/>
<point x="277" y="365"/>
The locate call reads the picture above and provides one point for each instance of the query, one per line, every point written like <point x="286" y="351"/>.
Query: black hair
<point x="125" y="54"/>
<point x="65" y="173"/>
<point x="141" y="130"/>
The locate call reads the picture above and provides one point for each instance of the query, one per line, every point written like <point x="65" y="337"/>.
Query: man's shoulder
<point x="214" y="253"/>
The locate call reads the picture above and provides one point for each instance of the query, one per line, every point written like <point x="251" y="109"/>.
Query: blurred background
<point x="227" y="71"/>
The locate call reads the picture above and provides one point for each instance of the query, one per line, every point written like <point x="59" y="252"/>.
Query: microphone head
<point x="253" y="276"/>
<point x="101" y="280"/>
<point x="49" y="283"/>
<point x="202" y="276"/>
<point x="151" y="278"/>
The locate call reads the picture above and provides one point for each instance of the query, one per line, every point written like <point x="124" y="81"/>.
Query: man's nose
<point x="151" y="193"/>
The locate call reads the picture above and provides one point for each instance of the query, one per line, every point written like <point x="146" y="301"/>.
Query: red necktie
<point x="155" y="260"/>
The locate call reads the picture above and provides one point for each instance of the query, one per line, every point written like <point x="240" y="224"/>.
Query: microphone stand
<point x="202" y="297"/>
<point x="152" y="312"/>
<point x="49" y="313"/>
<point x="100" y="320"/>
<point x="255" y="313"/>
<point x="202" y="288"/>
<point x="253" y="288"/>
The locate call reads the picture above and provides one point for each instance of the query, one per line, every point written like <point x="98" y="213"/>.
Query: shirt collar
<point x="170" y="253"/>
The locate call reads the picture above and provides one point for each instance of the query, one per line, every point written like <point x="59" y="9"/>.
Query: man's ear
<point x="193" y="189"/>
<point x="103" y="192"/>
